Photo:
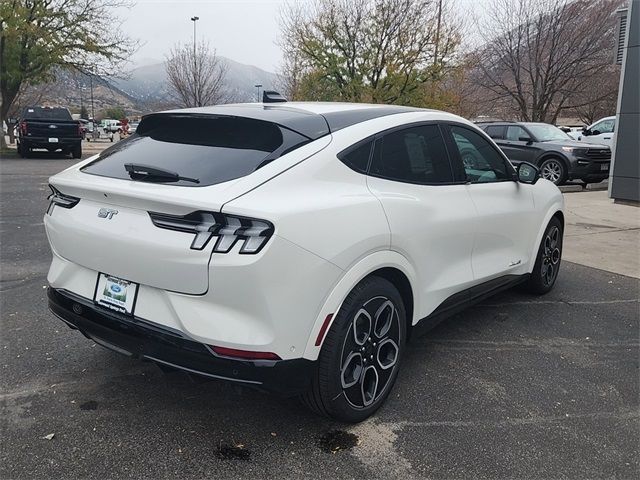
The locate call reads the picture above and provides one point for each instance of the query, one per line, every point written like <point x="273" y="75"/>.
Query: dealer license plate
<point x="53" y="140"/>
<point x="116" y="293"/>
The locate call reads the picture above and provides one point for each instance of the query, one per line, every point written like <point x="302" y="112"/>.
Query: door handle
<point x="606" y="138"/>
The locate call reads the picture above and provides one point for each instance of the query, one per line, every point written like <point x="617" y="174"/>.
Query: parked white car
<point x="294" y="247"/>
<point x="600" y="132"/>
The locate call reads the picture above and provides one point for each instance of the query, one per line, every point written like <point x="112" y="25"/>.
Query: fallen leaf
<point x="49" y="437"/>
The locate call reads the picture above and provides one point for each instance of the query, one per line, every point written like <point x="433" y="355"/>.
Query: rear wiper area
<point x="148" y="173"/>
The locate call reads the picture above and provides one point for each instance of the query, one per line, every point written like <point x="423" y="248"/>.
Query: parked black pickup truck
<point x="50" y="128"/>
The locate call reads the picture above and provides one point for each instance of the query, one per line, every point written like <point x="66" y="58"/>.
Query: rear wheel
<point x="361" y="354"/>
<point x="554" y="170"/>
<point x="545" y="271"/>
<point x="77" y="151"/>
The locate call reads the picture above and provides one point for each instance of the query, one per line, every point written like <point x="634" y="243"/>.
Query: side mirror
<point x="594" y="132"/>
<point x="527" y="173"/>
<point x="526" y="139"/>
<point x="586" y="132"/>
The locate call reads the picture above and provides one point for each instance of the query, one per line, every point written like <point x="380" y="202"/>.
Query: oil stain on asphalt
<point x="336" y="440"/>
<point x="233" y="452"/>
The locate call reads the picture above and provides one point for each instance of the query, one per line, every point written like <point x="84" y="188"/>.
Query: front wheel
<point x="554" y="170"/>
<point x="361" y="354"/>
<point x="545" y="271"/>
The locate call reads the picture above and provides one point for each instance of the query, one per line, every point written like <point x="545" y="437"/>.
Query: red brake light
<point x="23" y="127"/>
<point x="243" y="354"/>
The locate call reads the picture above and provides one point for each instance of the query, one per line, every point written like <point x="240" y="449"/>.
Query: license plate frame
<point x="604" y="167"/>
<point x="116" y="293"/>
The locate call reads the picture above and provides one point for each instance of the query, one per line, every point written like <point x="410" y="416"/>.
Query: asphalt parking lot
<point x="518" y="387"/>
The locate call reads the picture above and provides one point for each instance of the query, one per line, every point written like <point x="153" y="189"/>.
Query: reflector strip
<point x="243" y="354"/>
<point x="323" y="329"/>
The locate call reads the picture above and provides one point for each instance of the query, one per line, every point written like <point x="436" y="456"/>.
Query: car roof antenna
<point x="271" y="96"/>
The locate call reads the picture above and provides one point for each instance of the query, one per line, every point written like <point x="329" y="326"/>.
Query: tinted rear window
<point x="212" y="149"/>
<point x="44" y="113"/>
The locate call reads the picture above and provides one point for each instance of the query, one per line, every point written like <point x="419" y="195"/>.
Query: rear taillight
<point x="23" y="128"/>
<point x="229" y="229"/>
<point x="242" y="354"/>
<point x="60" y="199"/>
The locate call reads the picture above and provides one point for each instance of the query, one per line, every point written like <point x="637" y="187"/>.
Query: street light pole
<point x="258" y="86"/>
<point x="196" y="100"/>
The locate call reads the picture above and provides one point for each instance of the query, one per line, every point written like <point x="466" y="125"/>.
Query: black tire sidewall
<point x="535" y="284"/>
<point x="336" y="404"/>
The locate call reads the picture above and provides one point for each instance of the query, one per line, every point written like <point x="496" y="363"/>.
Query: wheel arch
<point x="387" y="264"/>
<point x="553" y="154"/>
<point x="555" y="211"/>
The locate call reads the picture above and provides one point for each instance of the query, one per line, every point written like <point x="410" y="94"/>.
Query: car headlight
<point x="575" y="150"/>
<point x="252" y="232"/>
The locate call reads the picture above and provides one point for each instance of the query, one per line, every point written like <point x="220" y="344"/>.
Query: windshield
<point x="545" y="133"/>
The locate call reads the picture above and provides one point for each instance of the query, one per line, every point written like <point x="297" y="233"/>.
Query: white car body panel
<point x="333" y="227"/>
<point x="604" y="138"/>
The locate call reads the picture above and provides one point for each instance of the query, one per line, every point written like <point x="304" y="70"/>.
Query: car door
<point x="506" y="220"/>
<point x="601" y="133"/>
<point x="519" y="145"/>
<point x="429" y="214"/>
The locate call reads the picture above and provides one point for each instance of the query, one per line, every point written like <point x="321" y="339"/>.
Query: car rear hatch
<point x="181" y="164"/>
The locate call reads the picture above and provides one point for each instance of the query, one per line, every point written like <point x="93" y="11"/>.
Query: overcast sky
<point x="243" y="30"/>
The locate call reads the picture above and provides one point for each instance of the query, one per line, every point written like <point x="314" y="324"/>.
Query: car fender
<point x="351" y="277"/>
<point x="550" y="205"/>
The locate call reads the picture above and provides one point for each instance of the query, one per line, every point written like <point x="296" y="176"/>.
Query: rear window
<point x="46" y="113"/>
<point x="210" y="149"/>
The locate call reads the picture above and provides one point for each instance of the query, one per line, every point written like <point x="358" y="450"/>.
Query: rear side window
<point x="357" y="158"/>
<point x="46" y="113"/>
<point x="207" y="148"/>
<point x="412" y="155"/>
<point x="495" y="131"/>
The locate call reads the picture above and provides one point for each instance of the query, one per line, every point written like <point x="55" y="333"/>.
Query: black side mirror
<point x="586" y="132"/>
<point x="527" y="173"/>
<point x="526" y="139"/>
<point x="594" y="132"/>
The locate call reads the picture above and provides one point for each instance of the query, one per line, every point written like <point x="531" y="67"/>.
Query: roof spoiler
<point x="271" y="96"/>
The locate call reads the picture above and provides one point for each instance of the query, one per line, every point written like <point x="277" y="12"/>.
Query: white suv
<point x="294" y="247"/>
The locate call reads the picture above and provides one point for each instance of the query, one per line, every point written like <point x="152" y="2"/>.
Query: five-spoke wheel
<point x="545" y="270"/>
<point x="361" y="353"/>
<point x="370" y="352"/>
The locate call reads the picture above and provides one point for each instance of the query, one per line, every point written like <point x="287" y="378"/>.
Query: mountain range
<point x="148" y="83"/>
<point x="141" y="90"/>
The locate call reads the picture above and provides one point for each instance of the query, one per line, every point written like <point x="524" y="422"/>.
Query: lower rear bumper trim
<point x="141" y="339"/>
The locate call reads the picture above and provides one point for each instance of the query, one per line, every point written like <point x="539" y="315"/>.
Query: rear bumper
<point x="141" y="339"/>
<point x="43" y="142"/>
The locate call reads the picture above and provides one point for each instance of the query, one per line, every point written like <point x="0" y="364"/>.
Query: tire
<point x="22" y="150"/>
<point x="76" y="152"/>
<point x="361" y="354"/>
<point x="554" y="169"/>
<point x="545" y="271"/>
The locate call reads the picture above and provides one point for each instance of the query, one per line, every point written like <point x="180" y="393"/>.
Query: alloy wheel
<point x="551" y="256"/>
<point x="552" y="171"/>
<point x="370" y="352"/>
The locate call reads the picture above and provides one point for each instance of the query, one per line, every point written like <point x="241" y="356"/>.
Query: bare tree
<point x="539" y="54"/>
<point x="383" y="51"/>
<point x="196" y="75"/>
